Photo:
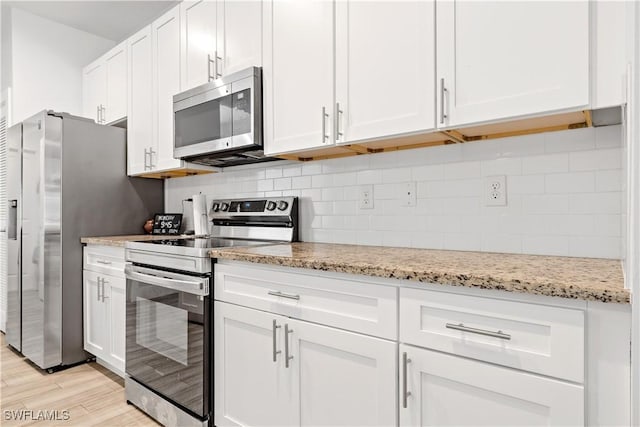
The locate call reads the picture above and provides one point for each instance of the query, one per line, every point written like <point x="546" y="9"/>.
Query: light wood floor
<point x="93" y="395"/>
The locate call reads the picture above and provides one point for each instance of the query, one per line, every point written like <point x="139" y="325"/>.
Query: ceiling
<point x="114" y="20"/>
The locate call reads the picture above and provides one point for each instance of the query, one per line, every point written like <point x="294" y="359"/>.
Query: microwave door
<point x="203" y="123"/>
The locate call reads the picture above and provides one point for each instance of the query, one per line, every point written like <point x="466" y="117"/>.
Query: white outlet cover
<point x="365" y="196"/>
<point x="408" y="196"/>
<point x="495" y="188"/>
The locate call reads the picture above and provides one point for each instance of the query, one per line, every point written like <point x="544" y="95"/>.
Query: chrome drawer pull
<point x="405" y="392"/>
<point x="461" y="327"/>
<point x="287" y="358"/>
<point x="283" y="295"/>
<point x="103" y="262"/>
<point x="274" y="337"/>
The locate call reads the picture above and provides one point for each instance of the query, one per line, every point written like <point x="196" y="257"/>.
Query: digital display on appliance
<point x="248" y="206"/>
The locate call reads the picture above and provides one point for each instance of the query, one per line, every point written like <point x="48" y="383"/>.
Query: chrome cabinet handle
<point x="12" y="231"/>
<point x="100" y="261"/>
<point x="99" y="284"/>
<point x="463" y="328"/>
<point x="146" y="164"/>
<point x="101" y="113"/>
<point x="215" y="65"/>
<point x="324" y="124"/>
<point x="443" y="91"/>
<point x="151" y="153"/>
<point x="103" y="295"/>
<point x="338" y="116"/>
<point x="276" y="352"/>
<point x="209" y="62"/>
<point x="98" y="114"/>
<point x="283" y="295"/>
<point x="405" y="393"/>
<point x="287" y="331"/>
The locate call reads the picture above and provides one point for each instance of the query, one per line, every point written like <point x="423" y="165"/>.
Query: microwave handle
<point x="196" y="286"/>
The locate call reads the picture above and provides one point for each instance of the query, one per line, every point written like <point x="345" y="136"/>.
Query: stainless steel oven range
<point x="169" y="308"/>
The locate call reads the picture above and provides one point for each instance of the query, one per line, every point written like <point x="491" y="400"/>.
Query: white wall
<point x="564" y="195"/>
<point x="46" y="64"/>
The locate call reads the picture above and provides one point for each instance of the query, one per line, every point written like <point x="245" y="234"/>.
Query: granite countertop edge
<point x="606" y="294"/>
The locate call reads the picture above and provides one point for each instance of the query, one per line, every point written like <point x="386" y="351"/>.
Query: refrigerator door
<point x="14" y="231"/>
<point x="41" y="247"/>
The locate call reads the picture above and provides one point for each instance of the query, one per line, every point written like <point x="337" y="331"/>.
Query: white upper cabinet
<point x="498" y="60"/>
<point x="140" y="102"/>
<point x="94" y="90"/>
<point x="116" y="74"/>
<point x="198" y="42"/>
<point x="166" y="83"/>
<point x="104" y="86"/>
<point x="298" y="74"/>
<point x="385" y="68"/>
<point x="239" y="35"/>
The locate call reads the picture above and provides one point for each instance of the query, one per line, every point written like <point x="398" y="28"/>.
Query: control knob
<point x="215" y="207"/>
<point x="224" y="207"/>
<point x="271" y="205"/>
<point x="282" y="205"/>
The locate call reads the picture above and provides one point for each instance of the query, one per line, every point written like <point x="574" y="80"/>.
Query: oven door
<point x="168" y="335"/>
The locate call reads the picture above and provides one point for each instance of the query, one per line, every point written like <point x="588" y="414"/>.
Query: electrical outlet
<point x="366" y="196"/>
<point x="408" y="195"/>
<point x="496" y="190"/>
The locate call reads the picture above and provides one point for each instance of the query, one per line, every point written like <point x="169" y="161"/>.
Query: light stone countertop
<point x="119" y="241"/>
<point x="576" y="278"/>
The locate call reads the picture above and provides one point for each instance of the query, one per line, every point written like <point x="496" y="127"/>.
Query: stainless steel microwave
<point x="220" y="123"/>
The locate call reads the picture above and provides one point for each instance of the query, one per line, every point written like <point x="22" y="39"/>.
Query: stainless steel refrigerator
<point x="66" y="178"/>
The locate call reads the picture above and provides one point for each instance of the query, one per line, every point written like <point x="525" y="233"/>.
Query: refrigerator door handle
<point x="13" y="220"/>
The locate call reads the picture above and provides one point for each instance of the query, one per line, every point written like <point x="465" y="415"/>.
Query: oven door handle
<point x="195" y="287"/>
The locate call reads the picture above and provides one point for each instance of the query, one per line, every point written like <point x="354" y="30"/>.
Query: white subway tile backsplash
<point x="609" y="180"/>
<point x="564" y="194"/>
<point x="570" y="140"/>
<point x="299" y="182"/>
<point x="282" y="184"/>
<point x="595" y="160"/>
<point x="462" y="170"/>
<point x="552" y="163"/>
<point x="580" y="182"/>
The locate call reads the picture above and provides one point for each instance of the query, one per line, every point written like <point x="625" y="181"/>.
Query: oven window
<point x="168" y="343"/>
<point x="208" y="121"/>
<point x="162" y="329"/>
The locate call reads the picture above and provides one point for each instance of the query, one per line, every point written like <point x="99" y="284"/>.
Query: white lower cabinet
<point x="438" y="389"/>
<point x="274" y="370"/>
<point x="104" y="311"/>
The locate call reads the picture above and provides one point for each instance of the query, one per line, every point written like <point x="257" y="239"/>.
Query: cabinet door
<point x="140" y="102"/>
<point x="298" y="74"/>
<point x="239" y="40"/>
<point x="115" y="299"/>
<point x="166" y="82"/>
<point x="343" y="378"/>
<point x="250" y="387"/>
<point x="116" y="80"/>
<point x="507" y="59"/>
<point x="95" y="316"/>
<point x="198" y="41"/>
<point x="377" y="43"/>
<point x="94" y="90"/>
<point x="447" y="390"/>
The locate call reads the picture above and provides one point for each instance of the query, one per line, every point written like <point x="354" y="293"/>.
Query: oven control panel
<point x="269" y="206"/>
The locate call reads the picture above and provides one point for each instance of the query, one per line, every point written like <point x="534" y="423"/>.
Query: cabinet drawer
<point x="351" y="305"/>
<point x="536" y="338"/>
<point x="104" y="259"/>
